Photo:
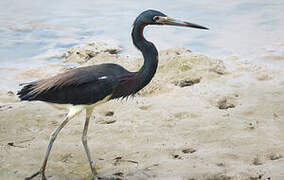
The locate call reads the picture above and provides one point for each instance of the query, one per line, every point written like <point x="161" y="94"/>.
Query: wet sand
<point x="199" y="118"/>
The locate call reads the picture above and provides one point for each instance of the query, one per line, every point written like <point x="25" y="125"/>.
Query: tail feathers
<point x="27" y="93"/>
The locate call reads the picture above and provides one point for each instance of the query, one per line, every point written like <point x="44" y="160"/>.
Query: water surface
<point x="33" y="31"/>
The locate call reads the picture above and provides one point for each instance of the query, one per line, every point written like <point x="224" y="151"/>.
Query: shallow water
<point x="32" y="32"/>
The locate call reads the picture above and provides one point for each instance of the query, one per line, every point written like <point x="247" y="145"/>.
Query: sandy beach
<point x="199" y="118"/>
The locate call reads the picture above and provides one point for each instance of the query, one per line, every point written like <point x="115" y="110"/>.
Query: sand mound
<point x="183" y="68"/>
<point x="178" y="67"/>
<point x="83" y="53"/>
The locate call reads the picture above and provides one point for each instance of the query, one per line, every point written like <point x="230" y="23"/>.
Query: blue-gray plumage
<point x="84" y="87"/>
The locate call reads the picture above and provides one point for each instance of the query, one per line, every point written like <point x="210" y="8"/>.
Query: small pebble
<point x="189" y="150"/>
<point x="109" y="113"/>
<point x="275" y="156"/>
<point x="185" y="83"/>
<point x="118" y="174"/>
<point x="110" y="122"/>
<point x="224" y="104"/>
<point x="176" y="156"/>
<point x="256" y="161"/>
<point x="119" y="157"/>
<point x="220" y="164"/>
<point x="10" y="93"/>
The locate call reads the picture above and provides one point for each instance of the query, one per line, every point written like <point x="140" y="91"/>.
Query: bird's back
<point x="84" y="85"/>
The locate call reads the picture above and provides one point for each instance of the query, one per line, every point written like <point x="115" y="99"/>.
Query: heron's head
<point x="153" y="17"/>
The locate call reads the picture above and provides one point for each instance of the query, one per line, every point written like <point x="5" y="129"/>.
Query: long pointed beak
<point x="175" y="22"/>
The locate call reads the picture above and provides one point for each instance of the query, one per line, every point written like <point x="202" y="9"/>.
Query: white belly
<point x="76" y="109"/>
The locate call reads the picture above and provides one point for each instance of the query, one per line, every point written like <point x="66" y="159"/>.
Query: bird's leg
<point x="84" y="141"/>
<point x="51" y="141"/>
<point x="53" y="136"/>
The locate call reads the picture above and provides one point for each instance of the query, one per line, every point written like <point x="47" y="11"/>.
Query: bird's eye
<point x="156" y="18"/>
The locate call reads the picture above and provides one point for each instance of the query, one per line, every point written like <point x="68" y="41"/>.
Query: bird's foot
<point x="40" y="172"/>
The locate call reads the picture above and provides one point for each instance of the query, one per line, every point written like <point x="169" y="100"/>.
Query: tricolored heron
<point x="86" y="87"/>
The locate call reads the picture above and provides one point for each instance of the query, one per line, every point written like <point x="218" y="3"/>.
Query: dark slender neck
<point x="150" y="55"/>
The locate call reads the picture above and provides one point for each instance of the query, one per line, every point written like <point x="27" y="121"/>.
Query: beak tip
<point x="205" y="28"/>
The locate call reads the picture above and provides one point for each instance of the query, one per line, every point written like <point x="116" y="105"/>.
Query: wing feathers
<point x="85" y="85"/>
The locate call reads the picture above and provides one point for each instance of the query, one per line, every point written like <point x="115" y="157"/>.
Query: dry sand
<point x="199" y="118"/>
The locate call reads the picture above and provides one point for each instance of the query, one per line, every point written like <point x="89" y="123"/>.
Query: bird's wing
<point x="85" y="85"/>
